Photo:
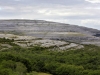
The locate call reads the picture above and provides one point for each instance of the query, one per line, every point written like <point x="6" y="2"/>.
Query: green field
<point x="38" y="73"/>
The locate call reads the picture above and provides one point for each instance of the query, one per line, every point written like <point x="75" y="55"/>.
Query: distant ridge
<point x="49" y="30"/>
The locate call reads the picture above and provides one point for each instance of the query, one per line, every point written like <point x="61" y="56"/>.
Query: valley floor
<point x="17" y="60"/>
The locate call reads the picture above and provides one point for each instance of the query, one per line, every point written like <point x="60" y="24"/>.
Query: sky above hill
<point x="78" y="12"/>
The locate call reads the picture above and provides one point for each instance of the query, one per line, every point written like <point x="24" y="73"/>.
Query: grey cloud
<point x="38" y="2"/>
<point x="67" y="11"/>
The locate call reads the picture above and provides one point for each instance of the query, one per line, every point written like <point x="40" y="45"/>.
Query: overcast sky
<point x="78" y="12"/>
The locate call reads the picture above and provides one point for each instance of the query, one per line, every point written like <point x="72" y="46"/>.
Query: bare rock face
<point x="50" y="30"/>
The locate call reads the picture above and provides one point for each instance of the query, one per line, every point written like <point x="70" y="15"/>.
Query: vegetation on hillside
<point x="28" y="61"/>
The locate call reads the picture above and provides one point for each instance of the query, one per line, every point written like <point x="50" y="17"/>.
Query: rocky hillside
<point x="29" y="41"/>
<point x="50" y="30"/>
